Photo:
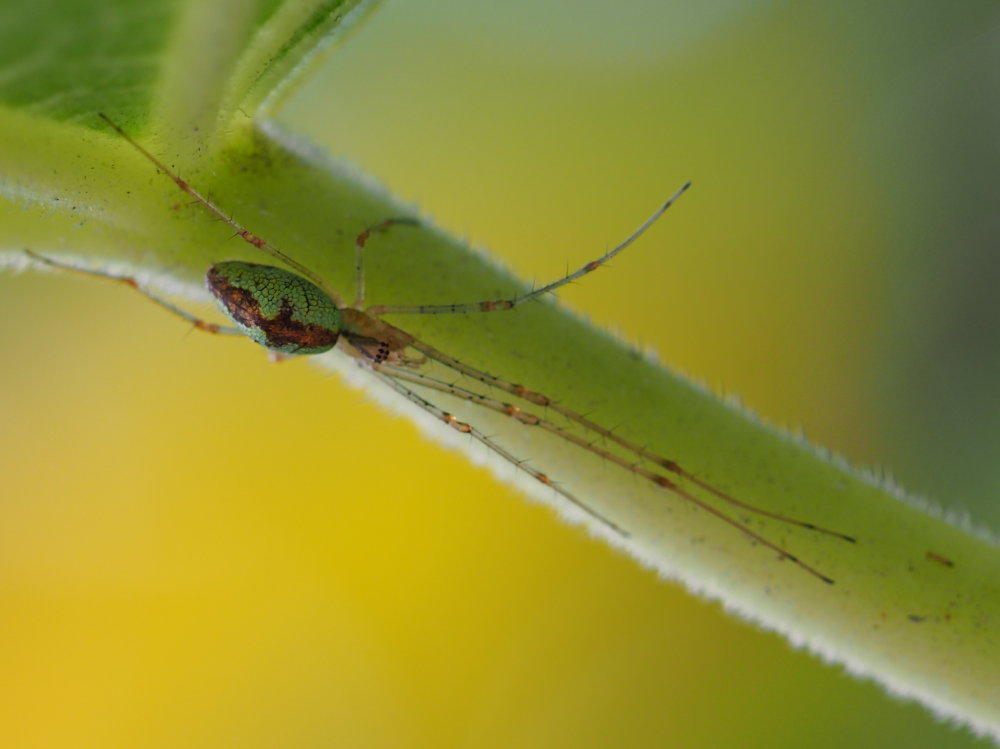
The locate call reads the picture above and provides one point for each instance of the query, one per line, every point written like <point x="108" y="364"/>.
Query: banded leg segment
<point x="506" y="304"/>
<point x="529" y="419"/>
<point x="392" y="377"/>
<point x="540" y="399"/>
<point x="359" y="254"/>
<point x="132" y="283"/>
<point x="243" y="233"/>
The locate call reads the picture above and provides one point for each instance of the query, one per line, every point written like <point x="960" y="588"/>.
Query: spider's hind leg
<point x="133" y="283"/>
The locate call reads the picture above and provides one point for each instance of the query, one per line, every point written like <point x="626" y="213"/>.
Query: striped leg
<point x="129" y="281"/>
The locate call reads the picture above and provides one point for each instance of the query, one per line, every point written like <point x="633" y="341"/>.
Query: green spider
<point x="298" y="314"/>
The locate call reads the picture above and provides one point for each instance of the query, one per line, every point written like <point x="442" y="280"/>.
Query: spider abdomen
<point x="275" y="308"/>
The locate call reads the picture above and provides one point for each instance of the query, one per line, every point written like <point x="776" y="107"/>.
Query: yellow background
<point x="201" y="549"/>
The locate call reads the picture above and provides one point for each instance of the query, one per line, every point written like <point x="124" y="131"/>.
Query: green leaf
<point x="916" y="599"/>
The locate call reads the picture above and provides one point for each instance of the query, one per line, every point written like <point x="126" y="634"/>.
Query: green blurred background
<point x="200" y="549"/>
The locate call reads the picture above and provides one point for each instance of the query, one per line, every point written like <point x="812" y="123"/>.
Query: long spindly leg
<point x="505" y="304"/>
<point x="540" y="399"/>
<point x="359" y="254"/>
<point x="245" y="234"/>
<point x="392" y="377"/>
<point x="530" y="419"/>
<point x="132" y="283"/>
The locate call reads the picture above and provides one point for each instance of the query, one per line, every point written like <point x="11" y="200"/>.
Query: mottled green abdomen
<point x="277" y="309"/>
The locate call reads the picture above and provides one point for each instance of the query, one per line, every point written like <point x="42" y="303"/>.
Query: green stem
<point x="914" y="601"/>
